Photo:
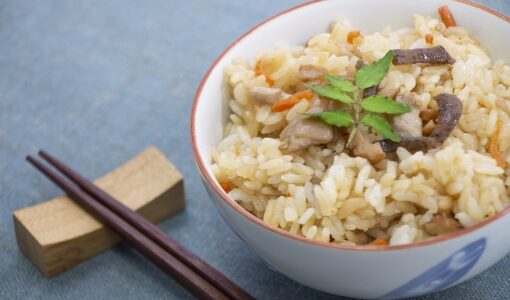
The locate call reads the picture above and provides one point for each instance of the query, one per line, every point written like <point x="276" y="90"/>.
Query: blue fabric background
<point x="95" y="82"/>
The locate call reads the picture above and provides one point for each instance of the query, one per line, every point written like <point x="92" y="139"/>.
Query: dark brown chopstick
<point x="151" y="231"/>
<point x="194" y="283"/>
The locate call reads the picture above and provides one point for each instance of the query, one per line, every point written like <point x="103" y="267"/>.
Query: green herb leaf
<point x="338" y="118"/>
<point x="380" y="125"/>
<point x="330" y="92"/>
<point x="381" y="104"/>
<point x="372" y="74"/>
<point x="339" y="82"/>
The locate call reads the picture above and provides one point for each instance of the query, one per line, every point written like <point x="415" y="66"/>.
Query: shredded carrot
<point x="308" y="94"/>
<point x="429" y="38"/>
<point x="352" y="35"/>
<point x="446" y="16"/>
<point x="226" y="186"/>
<point x="269" y="79"/>
<point x="292" y="100"/>
<point x="380" y="242"/>
<point x="285" y="104"/>
<point x="259" y="70"/>
<point x="493" y="146"/>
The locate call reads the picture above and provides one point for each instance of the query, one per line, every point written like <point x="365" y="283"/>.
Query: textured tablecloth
<point x="95" y="82"/>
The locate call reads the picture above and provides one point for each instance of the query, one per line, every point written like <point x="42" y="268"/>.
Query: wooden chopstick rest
<point x="58" y="234"/>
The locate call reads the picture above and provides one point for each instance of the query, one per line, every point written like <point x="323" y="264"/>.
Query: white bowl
<point x="355" y="271"/>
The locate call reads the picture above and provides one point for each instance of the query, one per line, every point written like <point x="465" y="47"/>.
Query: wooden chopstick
<point x="194" y="283"/>
<point x="151" y="231"/>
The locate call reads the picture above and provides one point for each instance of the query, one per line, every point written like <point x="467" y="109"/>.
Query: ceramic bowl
<point x="355" y="271"/>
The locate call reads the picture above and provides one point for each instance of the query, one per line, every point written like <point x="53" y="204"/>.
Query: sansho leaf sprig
<point x="360" y="111"/>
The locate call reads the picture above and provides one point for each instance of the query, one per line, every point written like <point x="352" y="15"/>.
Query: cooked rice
<point x="324" y="194"/>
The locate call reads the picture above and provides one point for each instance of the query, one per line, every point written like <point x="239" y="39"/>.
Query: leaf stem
<point x="357" y="105"/>
<point x="351" y="136"/>
<point x="357" y="109"/>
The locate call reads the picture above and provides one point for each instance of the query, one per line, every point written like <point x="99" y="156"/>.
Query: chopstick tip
<point x="31" y="160"/>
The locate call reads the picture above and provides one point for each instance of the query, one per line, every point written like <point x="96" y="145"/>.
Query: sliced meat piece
<point x="311" y="72"/>
<point x="362" y="147"/>
<point x="408" y="124"/>
<point x="434" y="55"/>
<point x="265" y="95"/>
<point x="449" y="112"/>
<point x="303" y="133"/>
<point x="441" y="224"/>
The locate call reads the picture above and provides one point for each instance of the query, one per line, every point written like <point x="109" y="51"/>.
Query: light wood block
<point x="58" y="234"/>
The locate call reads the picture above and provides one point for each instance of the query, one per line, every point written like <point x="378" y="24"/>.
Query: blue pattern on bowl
<point x="444" y="274"/>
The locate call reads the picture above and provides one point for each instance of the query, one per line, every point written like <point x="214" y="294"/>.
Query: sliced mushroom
<point x="265" y="95"/>
<point x="371" y="91"/>
<point x="449" y="112"/>
<point x="412" y="144"/>
<point x="441" y="224"/>
<point x="434" y="55"/>
<point x="408" y="124"/>
<point x="311" y="72"/>
<point x="362" y="147"/>
<point x="303" y="133"/>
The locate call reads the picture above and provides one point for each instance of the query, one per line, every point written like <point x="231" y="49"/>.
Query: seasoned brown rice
<point x="323" y="193"/>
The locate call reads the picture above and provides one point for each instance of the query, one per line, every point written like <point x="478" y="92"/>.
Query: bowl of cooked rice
<point x="362" y="148"/>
